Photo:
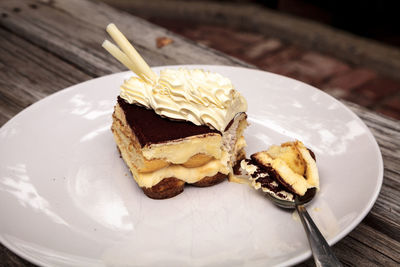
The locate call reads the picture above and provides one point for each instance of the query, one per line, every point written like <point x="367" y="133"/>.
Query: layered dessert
<point x="186" y="128"/>
<point x="283" y="171"/>
<point x="179" y="127"/>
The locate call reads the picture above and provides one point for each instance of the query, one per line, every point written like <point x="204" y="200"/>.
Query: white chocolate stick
<point x="119" y="55"/>
<point x="142" y="69"/>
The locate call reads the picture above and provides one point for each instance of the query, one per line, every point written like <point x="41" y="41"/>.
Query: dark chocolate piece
<point x="270" y="177"/>
<point x="151" y="128"/>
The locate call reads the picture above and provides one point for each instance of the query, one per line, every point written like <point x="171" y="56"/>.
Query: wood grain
<point x="29" y="73"/>
<point x="65" y="29"/>
<point x="49" y="45"/>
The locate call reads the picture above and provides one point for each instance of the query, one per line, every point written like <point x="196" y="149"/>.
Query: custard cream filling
<point x="240" y="144"/>
<point x="189" y="175"/>
<point x="179" y="152"/>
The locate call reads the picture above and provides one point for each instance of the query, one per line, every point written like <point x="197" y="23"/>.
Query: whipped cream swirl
<point x="202" y="97"/>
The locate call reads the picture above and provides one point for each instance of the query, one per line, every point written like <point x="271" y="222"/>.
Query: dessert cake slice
<point x="163" y="154"/>
<point x="183" y="126"/>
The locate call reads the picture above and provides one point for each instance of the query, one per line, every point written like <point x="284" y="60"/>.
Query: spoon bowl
<point x="299" y="200"/>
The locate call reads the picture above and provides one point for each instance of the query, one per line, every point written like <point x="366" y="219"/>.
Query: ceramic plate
<point x="67" y="199"/>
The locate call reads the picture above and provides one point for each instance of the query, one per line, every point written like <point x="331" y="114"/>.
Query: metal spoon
<point x="322" y="252"/>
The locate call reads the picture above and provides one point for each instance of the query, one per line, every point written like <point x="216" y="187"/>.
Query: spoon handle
<point x="322" y="252"/>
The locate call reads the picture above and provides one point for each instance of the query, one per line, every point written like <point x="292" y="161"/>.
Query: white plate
<point x="67" y="199"/>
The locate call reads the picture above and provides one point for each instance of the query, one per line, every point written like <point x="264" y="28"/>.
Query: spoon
<point x="322" y="252"/>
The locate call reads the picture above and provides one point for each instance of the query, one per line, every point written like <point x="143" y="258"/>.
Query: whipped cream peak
<point x="202" y="97"/>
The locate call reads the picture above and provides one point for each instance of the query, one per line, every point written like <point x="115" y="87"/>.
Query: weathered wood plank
<point x="7" y="258"/>
<point x="293" y="29"/>
<point x="386" y="245"/>
<point x="7" y="110"/>
<point x="65" y="29"/>
<point x="382" y="250"/>
<point x="356" y="253"/>
<point x="29" y="73"/>
<point x="365" y="247"/>
<point x="144" y="34"/>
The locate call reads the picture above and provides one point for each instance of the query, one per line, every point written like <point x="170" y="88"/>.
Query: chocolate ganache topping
<point x="151" y="128"/>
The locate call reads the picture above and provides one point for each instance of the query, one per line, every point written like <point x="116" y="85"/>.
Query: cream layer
<point x="176" y="151"/>
<point x="180" y="151"/>
<point x="189" y="175"/>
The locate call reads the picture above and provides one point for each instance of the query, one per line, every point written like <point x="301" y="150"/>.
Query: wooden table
<point x="48" y="45"/>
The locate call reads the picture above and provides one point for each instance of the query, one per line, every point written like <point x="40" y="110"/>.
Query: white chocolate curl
<point x="202" y="97"/>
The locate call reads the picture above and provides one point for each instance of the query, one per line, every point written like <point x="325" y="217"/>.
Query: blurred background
<point x="349" y="49"/>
